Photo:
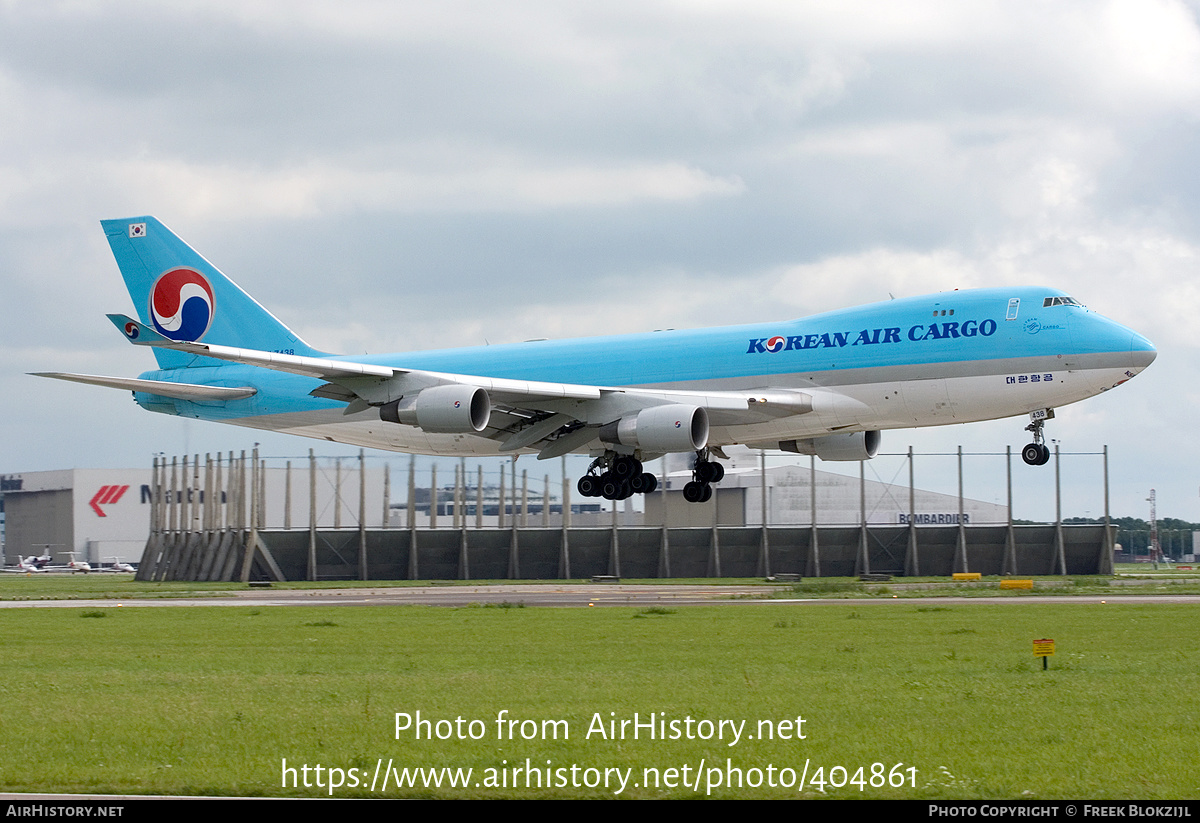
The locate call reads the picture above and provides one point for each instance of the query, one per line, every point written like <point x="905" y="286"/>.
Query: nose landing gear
<point x="1037" y="453"/>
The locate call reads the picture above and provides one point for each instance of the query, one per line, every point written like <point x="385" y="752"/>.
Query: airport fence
<point x="208" y="522"/>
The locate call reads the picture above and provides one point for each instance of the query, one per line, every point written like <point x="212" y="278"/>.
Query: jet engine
<point x="854" y="446"/>
<point x="448" y="409"/>
<point x="674" y="428"/>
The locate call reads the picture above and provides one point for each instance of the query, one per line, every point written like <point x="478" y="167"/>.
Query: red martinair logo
<point x="106" y="497"/>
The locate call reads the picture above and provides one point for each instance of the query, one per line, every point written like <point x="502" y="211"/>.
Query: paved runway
<point x="582" y="595"/>
<point x="578" y="596"/>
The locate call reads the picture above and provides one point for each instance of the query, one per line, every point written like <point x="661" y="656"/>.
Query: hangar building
<point x="840" y="499"/>
<point x="98" y="514"/>
<point x="104" y="514"/>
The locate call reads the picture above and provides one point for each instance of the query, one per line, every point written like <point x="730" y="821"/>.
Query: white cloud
<point x="325" y="188"/>
<point x="1147" y="52"/>
<point x="330" y="190"/>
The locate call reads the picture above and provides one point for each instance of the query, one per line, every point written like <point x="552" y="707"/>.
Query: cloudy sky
<point x="406" y="175"/>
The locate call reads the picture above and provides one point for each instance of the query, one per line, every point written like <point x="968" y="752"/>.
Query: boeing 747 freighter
<point x="824" y="385"/>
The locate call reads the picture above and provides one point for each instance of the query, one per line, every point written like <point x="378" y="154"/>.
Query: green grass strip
<point x="211" y="701"/>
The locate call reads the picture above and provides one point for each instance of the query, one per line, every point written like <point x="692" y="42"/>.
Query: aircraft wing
<point x="344" y="371"/>
<point x="555" y="417"/>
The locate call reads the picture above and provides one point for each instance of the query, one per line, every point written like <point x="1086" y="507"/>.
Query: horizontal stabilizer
<point x="163" y="388"/>
<point x="137" y="332"/>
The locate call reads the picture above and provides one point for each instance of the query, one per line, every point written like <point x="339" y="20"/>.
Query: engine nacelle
<point x="675" y="428"/>
<point x="854" y="446"/>
<point x="442" y="409"/>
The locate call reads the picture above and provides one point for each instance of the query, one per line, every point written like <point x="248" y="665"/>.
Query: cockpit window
<point x="1060" y="301"/>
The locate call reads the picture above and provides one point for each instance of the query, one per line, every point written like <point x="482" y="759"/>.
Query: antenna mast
<point x="1155" y="551"/>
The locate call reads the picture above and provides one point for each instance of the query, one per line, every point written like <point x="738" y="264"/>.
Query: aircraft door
<point x="928" y="400"/>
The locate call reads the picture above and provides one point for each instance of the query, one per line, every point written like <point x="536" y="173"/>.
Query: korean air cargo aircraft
<point x="824" y="385"/>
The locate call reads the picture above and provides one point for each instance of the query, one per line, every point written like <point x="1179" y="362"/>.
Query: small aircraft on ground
<point x="32" y="564"/>
<point x="73" y="566"/>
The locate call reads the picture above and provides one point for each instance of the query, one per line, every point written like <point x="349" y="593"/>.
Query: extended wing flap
<point x="536" y="432"/>
<point x="569" y="442"/>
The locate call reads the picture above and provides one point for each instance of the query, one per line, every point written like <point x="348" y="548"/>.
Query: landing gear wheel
<point x="610" y="486"/>
<point x="643" y="483"/>
<point x="708" y="472"/>
<point x="693" y="492"/>
<point x="1036" y="454"/>
<point x="624" y="466"/>
<point x="588" y="486"/>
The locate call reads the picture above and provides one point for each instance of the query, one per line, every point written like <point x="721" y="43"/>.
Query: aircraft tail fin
<point x="184" y="297"/>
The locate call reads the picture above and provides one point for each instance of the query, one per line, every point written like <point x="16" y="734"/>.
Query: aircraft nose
<point x="1142" y="351"/>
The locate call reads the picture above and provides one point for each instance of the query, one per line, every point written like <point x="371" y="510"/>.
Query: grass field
<point x="211" y="701"/>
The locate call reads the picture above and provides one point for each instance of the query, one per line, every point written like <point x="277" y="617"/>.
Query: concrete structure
<point x="227" y="541"/>
<point x="629" y="552"/>
<point x="226" y="519"/>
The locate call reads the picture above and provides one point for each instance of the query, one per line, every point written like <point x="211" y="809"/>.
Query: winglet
<point x="137" y="333"/>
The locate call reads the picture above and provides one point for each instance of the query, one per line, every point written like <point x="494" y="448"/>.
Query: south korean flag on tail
<point x="137" y="229"/>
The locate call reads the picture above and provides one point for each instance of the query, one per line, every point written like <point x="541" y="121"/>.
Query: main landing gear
<point x="1037" y="453"/>
<point x="704" y="473"/>
<point x="618" y="476"/>
<point x="622" y="477"/>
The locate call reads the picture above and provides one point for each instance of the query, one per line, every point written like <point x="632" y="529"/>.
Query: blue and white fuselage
<point x="821" y="384"/>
